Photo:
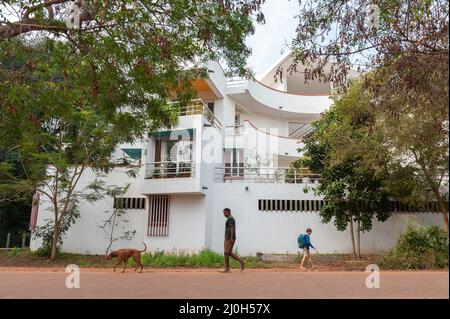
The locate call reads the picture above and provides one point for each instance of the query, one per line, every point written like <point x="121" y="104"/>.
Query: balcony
<point x="171" y="178"/>
<point x="283" y="175"/>
<point x="158" y="170"/>
<point x="197" y="107"/>
<point x="260" y="98"/>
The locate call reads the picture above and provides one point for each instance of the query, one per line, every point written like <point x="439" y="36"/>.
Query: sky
<point x="270" y="41"/>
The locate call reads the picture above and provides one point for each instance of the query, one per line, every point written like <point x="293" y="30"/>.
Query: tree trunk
<point x="358" y="230"/>
<point x="54" y="241"/>
<point x="352" y="236"/>
<point x="435" y="189"/>
<point x="442" y="208"/>
<point x="111" y="235"/>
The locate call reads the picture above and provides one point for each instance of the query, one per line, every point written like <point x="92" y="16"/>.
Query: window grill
<point x="158" y="215"/>
<point x="295" y="205"/>
<point x="129" y="203"/>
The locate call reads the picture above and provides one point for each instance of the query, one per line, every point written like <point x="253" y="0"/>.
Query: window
<point x="158" y="215"/>
<point x="129" y="203"/>
<point x="234" y="163"/>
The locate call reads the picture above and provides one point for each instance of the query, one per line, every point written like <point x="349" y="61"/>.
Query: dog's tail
<point x="145" y="248"/>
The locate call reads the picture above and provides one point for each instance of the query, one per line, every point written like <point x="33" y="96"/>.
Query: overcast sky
<point x="270" y="40"/>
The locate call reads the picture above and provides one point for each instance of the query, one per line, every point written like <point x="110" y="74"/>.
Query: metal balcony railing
<point x="197" y="106"/>
<point x="236" y="82"/>
<point x="287" y="175"/>
<point x="155" y="170"/>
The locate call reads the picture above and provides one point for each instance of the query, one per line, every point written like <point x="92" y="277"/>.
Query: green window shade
<point x="134" y="153"/>
<point x="168" y="134"/>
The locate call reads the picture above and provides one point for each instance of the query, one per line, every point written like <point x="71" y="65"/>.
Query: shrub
<point x="84" y="263"/>
<point x="46" y="251"/>
<point x="14" y="252"/>
<point x="418" y="247"/>
<point x="204" y="258"/>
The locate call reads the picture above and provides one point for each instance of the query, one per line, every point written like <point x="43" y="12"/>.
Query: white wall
<point x="277" y="232"/>
<point x="266" y="123"/>
<point x="197" y="221"/>
<point x="85" y="236"/>
<point x="289" y="102"/>
<point x="186" y="221"/>
<point x="186" y="225"/>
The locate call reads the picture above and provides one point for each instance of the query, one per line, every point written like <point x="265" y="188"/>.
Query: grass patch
<point x="203" y="259"/>
<point x="14" y="252"/>
<point x="175" y="259"/>
<point x="418" y="247"/>
<point x="84" y="263"/>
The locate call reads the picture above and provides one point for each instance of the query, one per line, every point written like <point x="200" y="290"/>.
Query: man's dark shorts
<point x="228" y="246"/>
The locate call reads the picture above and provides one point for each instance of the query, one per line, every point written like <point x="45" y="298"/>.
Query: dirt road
<point x="210" y="284"/>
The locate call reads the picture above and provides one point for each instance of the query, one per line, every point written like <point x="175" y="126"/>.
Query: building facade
<point x="232" y="147"/>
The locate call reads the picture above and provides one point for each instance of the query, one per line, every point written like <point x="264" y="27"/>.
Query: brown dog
<point x="124" y="254"/>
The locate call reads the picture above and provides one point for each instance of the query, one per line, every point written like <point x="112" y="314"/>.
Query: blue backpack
<point x="301" y="241"/>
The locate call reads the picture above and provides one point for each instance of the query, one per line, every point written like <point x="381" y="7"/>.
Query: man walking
<point x="230" y="238"/>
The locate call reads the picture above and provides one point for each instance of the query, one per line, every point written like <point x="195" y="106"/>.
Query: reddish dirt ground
<point x="193" y="284"/>
<point x="322" y="262"/>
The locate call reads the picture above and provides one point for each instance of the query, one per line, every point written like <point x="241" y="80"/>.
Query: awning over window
<point x="175" y="134"/>
<point x="134" y="153"/>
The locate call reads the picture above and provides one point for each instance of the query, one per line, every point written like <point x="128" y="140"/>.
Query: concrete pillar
<point x="8" y="240"/>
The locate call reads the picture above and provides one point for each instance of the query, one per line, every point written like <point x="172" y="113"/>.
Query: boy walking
<point x="304" y="242"/>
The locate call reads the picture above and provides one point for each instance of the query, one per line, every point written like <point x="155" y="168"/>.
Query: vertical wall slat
<point x="153" y="215"/>
<point x="158" y="210"/>
<point x="150" y="210"/>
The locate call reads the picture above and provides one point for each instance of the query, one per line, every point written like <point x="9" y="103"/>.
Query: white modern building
<point x="232" y="147"/>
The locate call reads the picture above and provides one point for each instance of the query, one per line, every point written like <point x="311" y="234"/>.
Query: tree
<point x="160" y="37"/>
<point x="67" y="132"/>
<point x="368" y="35"/>
<point x="69" y="94"/>
<point x="354" y="192"/>
<point x="404" y="46"/>
<point x="14" y="212"/>
<point x="114" y="226"/>
<point x="415" y="125"/>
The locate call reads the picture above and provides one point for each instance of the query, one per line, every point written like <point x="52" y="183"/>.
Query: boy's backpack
<point x="301" y="241"/>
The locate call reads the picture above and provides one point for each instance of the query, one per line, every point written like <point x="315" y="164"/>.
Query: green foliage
<point x="204" y="258"/>
<point x="419" y="247"/>
<point x="335" y="150"/>
<point x="400" y="114"/>
<point x="14" y="252"/>
<point x="14" y="219"/>
<point x="67" y="100"/>
<point x="84" y="263"/>
<point x="46" y="231"/>
<point x="46" y="250"/>
<point x="182" y="259"/>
